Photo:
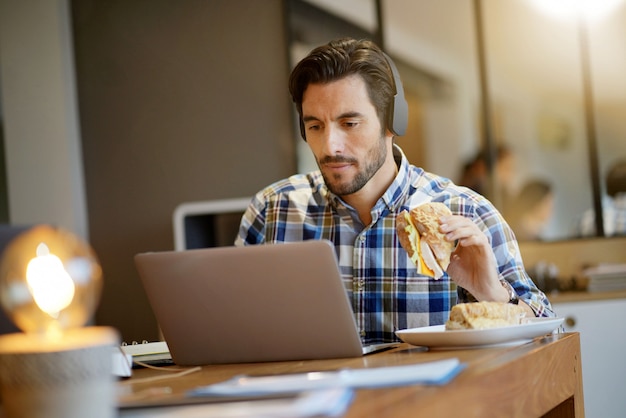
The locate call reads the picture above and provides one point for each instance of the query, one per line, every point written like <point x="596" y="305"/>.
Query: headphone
<point x="398" y="110"/>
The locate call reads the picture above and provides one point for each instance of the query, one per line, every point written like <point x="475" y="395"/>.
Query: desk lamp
<point x="50" y="284"/>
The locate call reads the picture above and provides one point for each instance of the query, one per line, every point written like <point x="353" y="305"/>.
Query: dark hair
<point x="342" y="58"/>
<point x="532" y="194"/>
<point x="501" y="152"/>
<point x="616" y="179"/>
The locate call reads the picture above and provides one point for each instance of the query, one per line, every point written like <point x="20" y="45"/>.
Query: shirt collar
<point x="399" y="188"/>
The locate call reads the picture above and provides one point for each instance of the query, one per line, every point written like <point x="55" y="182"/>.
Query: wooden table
<point x="539" y="378"/>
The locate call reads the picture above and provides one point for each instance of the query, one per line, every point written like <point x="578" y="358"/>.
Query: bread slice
<point x="426" y="219"/>
<point x="483" y="315"/>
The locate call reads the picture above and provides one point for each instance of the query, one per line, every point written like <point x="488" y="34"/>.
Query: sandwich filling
<point x="420" y="252"/>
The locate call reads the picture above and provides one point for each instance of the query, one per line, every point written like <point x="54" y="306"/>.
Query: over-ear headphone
<point x="398" y="110"/>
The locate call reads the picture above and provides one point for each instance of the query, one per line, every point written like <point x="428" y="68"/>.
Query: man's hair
<point x="342" y="58"/>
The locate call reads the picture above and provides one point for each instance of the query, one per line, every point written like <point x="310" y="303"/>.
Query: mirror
<point x="607" y="56"/>
<point x="508" y="78"/>
<point x="538" y="110"/>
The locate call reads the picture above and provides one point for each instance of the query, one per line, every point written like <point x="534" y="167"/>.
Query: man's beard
<point x="374" y="160"/>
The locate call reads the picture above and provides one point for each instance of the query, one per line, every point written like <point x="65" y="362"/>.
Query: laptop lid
<point x="272" y="302"/>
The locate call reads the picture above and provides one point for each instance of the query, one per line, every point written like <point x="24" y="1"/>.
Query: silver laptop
<point x="273" y="302"/>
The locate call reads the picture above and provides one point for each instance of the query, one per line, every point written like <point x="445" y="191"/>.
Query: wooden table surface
<point x="539" y="378"/>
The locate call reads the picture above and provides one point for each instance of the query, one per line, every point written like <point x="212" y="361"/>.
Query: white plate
<point x="437" y="336"/>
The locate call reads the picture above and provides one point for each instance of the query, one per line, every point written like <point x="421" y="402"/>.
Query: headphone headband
<point x="398" y="111"/>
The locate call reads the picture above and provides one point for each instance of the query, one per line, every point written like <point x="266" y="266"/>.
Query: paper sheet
<point x="431" y="373"/>
<point x="327" y="403"/>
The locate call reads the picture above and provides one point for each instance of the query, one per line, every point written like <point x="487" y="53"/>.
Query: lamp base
<point x="69" y="378"/>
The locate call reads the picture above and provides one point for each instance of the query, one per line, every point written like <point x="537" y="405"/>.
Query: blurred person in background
<point x="475" y="176"/>
<point x="613" y="207"/>
<point x="531" y="210"/>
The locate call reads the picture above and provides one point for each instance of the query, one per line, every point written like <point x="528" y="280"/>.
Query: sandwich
<point x="483" y="315"/>
<point x="419" y="235"/>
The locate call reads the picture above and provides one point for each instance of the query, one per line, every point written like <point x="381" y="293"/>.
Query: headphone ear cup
<point x="398" y="111"/>
<point x="400" y="115"/>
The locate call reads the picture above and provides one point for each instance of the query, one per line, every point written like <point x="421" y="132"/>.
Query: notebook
<point x="273" y="302"/>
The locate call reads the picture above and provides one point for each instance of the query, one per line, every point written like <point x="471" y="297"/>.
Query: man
<point x="344" y="92"/>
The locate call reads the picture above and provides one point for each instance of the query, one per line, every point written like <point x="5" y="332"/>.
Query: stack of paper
<point x="300" y="395"/>
<point x="319" y="403"/>
<point x="149" y="353"/>
<point x="606" y="277"/>
<point x="431" y="373"/>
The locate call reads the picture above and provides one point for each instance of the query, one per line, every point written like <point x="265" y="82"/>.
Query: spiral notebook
<point x="272" y="302"/>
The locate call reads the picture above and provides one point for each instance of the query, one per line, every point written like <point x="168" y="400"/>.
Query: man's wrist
<point x="511" y="294"/>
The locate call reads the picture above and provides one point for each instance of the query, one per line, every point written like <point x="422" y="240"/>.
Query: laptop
<point x="262" y="303"/>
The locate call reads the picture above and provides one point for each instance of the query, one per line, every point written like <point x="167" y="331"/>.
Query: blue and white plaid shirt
<point x="386" y="292"/>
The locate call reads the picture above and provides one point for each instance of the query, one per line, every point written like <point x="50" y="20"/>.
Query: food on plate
<point x="418" y="232"/>
<point x="482" y="315"/>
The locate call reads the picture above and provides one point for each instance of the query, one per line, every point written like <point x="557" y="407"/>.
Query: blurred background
<point x="115" y="112"/>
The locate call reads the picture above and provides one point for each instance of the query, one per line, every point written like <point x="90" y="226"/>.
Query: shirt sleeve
<point x="507" y="253"/>
<point x="252" y="226"/>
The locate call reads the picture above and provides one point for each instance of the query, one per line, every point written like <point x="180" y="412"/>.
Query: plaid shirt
<point x="386" y="292"/>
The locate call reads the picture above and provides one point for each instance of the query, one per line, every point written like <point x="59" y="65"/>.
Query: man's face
<point x="344" y="132"/>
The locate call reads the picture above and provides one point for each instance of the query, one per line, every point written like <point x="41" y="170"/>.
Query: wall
<point x="39" y="112"/>
<point x="179" y="101"/>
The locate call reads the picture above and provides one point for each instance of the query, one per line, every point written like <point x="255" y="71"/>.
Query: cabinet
<point x="602" y="339"/>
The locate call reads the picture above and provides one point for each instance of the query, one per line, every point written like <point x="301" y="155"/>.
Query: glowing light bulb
<point x="50" y="281"/>
<point x="591" y="9"/>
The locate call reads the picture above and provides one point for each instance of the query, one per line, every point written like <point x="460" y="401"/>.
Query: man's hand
<point x="472" y="265"/>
